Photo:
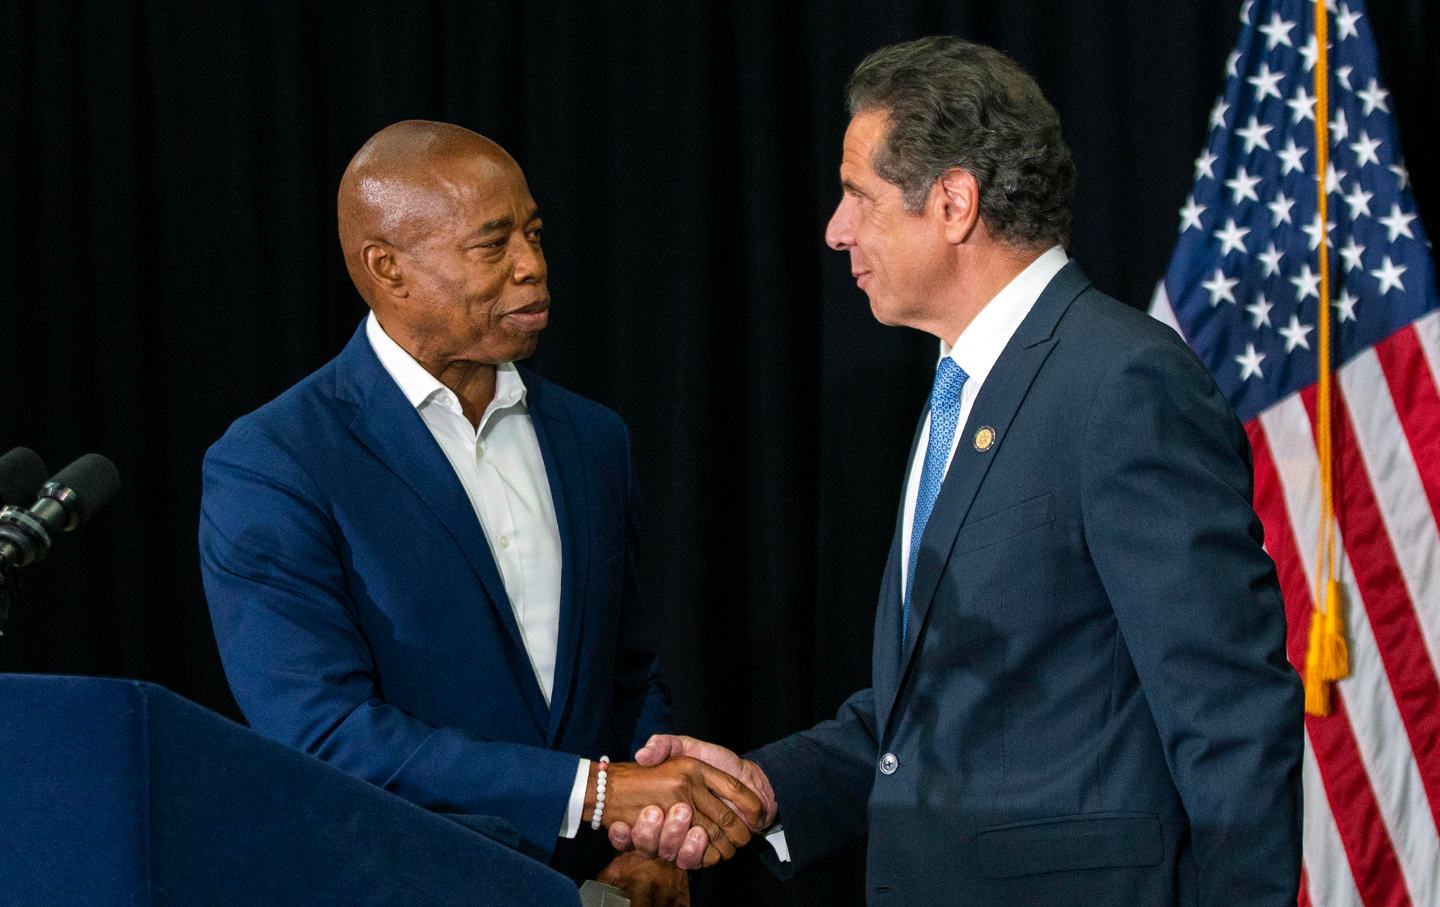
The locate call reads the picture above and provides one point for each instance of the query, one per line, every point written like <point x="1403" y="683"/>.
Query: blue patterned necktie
<point x="944" y="419"/>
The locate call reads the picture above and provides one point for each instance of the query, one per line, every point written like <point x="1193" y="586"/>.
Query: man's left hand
<point x="648" y="883"/>
<point x="671" y="837"/>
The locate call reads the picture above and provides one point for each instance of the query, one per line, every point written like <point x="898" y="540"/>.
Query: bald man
<point x="420" y="560"/>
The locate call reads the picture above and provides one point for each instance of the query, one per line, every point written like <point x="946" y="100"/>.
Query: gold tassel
<point x="1317" y="688"/>
<point x="1317" y="697"/>
<point x="1334" y="653"/>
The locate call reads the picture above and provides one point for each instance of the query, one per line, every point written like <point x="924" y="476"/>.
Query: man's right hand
<point x="716" y="802"/>
<point x="672" y="837"/>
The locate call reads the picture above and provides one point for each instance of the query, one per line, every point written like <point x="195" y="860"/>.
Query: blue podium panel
<point x="120" y="792"/>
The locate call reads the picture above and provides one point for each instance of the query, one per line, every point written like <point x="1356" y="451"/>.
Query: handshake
<point x="683" y="800"/>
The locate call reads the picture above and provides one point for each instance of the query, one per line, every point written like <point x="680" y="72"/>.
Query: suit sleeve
<point x="302" y="671"/>
<point x="822" y="779"/>
<point x="641" y="701"/>
<point x="1166" y="496"/>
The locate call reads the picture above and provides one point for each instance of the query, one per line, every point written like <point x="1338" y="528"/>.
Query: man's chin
<point x="525" y="346"/>
<point x="883" y="315"/>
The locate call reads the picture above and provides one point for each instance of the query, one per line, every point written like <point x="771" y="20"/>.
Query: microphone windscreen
<point x="22" y="472"/>
<point x="94" y="479"/>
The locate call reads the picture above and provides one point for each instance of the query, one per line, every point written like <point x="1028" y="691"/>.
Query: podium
<point x="121" y="792"/>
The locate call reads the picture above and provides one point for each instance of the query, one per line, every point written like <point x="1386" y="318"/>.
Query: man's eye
<point x="535" y="235"/>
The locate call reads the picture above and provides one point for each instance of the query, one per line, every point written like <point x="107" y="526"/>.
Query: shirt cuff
<point x="776" y="839"/>
<point x="571" y="825"/>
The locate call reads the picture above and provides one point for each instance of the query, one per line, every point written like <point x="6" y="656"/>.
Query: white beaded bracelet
<point x="599" y="793"/>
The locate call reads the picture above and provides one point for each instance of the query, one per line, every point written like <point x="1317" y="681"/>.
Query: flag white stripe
<point x="1161" y="310"/>
<point x="1327" y="869"/>
<point x="1428" y="330"/>
<point x="1399" y="492"/>
<point x="1379" y="732"/>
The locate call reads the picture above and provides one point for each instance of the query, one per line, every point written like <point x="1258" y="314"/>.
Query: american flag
<point x="1244" y="289"/>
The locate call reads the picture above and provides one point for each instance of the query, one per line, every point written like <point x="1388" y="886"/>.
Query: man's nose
<point x="837" y="232"/>
<point x="529" y="262"/>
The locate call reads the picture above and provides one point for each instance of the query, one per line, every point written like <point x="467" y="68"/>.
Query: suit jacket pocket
<point x="1003" y="524"/>
<point x="1061" y="843"/>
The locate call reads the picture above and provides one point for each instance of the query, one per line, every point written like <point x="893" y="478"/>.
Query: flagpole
<point x="1326" y="658"/>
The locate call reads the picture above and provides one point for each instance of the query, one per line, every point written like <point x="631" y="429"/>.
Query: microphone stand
<point x="23" y="539"/>
<point x="4" y="602"/>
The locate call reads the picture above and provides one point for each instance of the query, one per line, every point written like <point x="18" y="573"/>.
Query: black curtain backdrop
<point x="167" y="180"/>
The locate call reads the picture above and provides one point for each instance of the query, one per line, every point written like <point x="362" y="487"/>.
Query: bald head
<point x="405" y="181"/>
<point x="442" y="239"/>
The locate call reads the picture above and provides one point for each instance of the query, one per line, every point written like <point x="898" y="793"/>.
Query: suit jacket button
<point x="888" y="764"/>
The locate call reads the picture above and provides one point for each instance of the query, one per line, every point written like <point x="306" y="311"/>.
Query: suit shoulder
<point x="293" y="421"/>
<point x="1108" y="320"/>
<point x="1126" y="355"/>
<point x="1107" y="348"/>
<point x="590" y="417"/>
<point x="1104" y="334"/>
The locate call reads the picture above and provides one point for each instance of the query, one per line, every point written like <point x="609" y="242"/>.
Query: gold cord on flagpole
<point x="1326" y="658"/>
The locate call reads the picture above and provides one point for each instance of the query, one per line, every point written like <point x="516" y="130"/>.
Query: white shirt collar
<point x="420" y="387"/>
<point x="980" y="344"/>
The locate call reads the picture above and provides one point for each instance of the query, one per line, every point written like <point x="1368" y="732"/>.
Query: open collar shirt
<point x="500" y="466"/>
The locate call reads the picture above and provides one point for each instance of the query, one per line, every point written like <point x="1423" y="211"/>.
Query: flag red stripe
<point x="1386" y="600"/>
<point x="1280" y="543"/>
<point x="1352" y="801"/>
<point x="1304" y="899"/>
<point x="1373" y="863"/>
<point x="1417" y="402"/>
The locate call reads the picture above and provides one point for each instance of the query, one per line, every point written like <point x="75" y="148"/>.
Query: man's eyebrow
<point x="499" y="223"/>
<point x="851" y="187"/>
<point x="506" y="222"/>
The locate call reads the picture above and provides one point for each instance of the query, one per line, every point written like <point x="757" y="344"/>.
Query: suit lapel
<point x="395" y="433"/>
<point x="569" y="488"/>
<point x="885" y="663"/>
<point x="995" y="408"/>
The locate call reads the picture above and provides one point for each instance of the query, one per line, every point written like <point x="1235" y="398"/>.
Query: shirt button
<point x="888" y="764"/>
<point x="504" y="541"/>
<point x="479" y="451"/>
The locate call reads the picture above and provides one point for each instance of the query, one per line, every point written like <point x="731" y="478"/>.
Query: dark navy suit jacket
<point x="361" y="617"/>
<point x="1093" y="704"/>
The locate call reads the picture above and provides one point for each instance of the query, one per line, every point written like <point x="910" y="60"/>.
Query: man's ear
<point x="959" y="204"/>
<point x="379" y="260"/>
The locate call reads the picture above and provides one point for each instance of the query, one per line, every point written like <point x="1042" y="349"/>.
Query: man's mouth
<point x="532" y="317"/>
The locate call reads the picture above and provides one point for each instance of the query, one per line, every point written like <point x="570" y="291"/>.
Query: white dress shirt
<point x="975" y="351"/>
<point x="503" y="473"/>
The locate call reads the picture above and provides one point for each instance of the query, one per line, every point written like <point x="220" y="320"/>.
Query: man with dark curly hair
<point x="1079" y="686"/>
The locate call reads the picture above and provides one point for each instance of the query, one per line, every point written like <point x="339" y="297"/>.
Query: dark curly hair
<point x="954" y="103"/>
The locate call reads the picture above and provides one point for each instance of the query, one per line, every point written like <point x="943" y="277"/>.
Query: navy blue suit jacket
<point x="1093" y="704"/>
<point x="361" y="617"/>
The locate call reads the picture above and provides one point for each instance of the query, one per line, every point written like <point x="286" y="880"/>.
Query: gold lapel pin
<point x="984" y="438"/>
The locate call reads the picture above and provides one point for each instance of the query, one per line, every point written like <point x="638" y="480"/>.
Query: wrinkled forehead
<point x="866" y="132"/>
<point x="431" y="192"/>
<point x="396" y="202"/>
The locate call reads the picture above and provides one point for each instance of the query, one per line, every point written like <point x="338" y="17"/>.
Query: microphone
<point x="21" y="474"/>
<point x="66" y="502"/>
